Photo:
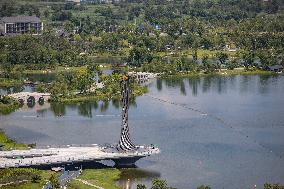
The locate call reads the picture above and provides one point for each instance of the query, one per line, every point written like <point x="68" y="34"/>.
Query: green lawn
<point x="8" y="105"/>
<point x="238" y="71"/>
<point x="100" y="177"/>
<point x="7" y="143"/>
<point x="19" y="174"/>
<point x="10" y="82"/>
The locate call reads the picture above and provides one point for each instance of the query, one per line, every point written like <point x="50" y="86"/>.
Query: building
<point x="77" y="2"/>
<point x="275" y="68"/>
<point x="20" y="25"/>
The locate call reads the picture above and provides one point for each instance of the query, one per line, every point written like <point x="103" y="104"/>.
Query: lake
<point x="226" y="132"/>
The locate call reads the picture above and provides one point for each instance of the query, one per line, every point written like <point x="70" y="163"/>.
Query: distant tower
<point x="125" y="143"/>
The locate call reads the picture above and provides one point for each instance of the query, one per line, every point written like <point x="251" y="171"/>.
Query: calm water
<point x="226" y="132"/>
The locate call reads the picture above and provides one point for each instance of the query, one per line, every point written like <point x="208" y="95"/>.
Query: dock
<point x="67" y="155"/>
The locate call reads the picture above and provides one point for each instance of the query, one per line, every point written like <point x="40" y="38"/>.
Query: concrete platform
<point x="53" y="156"/>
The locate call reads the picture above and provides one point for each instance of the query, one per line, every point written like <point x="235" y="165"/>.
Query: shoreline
<point x="6" y="143"/>
<point x="97" y="97"/>
<point x="8" y="105"/>
<point x="8" y="83"/>
<point x="223" y="73"/>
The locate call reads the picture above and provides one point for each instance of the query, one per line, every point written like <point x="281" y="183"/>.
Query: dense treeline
<point x="148" y="31"/>
<point x="45" y="50"/>
<point x="10" y="8"/>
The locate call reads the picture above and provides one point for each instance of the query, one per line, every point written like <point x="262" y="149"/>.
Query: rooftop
<point x="15" y="19"/>
<point x="275" y="67"/>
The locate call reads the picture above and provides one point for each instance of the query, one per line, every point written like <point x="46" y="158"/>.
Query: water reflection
<point x="206" y="84"/>
<point x="16" y="89"/>
<point x="265" y="81"/>
<point x="116" y="103"/>
<point x="194" y="84"/>
<point x="85" y="109"/>
<point x="159" y="84"/>
<point x="129" y="178"/>
<point x="58" y="109"/>
<point x="104" y="106"/>
<point x="206" y="149"/>
<point x="218" y="84"/>
<point x="182" y="88"/>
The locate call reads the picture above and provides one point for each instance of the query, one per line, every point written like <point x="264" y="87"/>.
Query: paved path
<point x="89" y="184"/>
<point x="53" y="156"/>
<point x="64" y="178"/>
<point x="9" y="183"/>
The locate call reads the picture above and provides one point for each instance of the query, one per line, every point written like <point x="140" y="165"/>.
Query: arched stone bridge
<point x="143" y="76"/>
<point x="24" y="96"/>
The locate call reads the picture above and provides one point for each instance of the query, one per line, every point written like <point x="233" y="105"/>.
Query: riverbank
<point x="220" y="73"/>
<point x="102" y="178"/>
<point x="62" y="69"/>
<point x="7" y="144"/>
<point x="8" y="105"/>
<point x="97" y="96"/>
<point x="23" y="178"/>
<point x="10" y="82"/>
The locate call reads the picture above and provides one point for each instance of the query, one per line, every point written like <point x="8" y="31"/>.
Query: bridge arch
<point x="31" y="101"/>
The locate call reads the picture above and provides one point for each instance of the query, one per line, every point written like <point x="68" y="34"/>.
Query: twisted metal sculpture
<point x="125" y="143"/>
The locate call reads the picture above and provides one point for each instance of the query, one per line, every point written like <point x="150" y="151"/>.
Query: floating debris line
<point x="216" y="118"/>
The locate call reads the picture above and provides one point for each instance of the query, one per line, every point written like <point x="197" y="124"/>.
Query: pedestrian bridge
<point x="24" y="97"/>
<point x="67" y="155"/>
<point x="143" y="76"/>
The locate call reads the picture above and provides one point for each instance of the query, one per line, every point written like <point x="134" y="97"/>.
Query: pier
<point x="67" y="155"/>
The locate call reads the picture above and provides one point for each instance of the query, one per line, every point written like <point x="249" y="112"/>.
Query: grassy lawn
<point x="60" y="69"/>
<point x="8" y="105"/>
<point x="220" y="73"/>
<point x="8" y="144"/>
<point x="99" y="95"/>
<point x="10" y="82"/>
<point x="243" y="72"/>
<point x="19" y="174"/>
<point x="100" y="177"/>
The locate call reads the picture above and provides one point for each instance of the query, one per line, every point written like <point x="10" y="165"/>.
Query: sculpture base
<point x="126" y="162"/>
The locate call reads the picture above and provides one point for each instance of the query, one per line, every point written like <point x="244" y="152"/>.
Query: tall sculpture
<point x="125" y="143"/>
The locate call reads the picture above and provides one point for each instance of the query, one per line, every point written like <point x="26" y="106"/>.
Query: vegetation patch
<point x="7" y="143"/>
<point x="10" y="82"/>
<point x="220" y="73"/>
<point x="23" y="178"/>
<point x="105" y="178"/>
<point x="8" y="105"/>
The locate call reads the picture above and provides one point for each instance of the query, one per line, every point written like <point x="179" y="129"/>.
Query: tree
<point x="248" y="58"/>
<point x="273" y="186"/>
<point x="160" y="184"/>
<point x="141" y="186"/>
<point x="139" y="55"/>
<point x="7" y="69"/>
<point x="203" y="187"/>
<point x="58" y="88"/>
<point x="84" y="79"/>
<point x="222" y="57"/>
<point x="36" y="178"/>
<point x="54" y="181"/>
<point x="68" y="26"/>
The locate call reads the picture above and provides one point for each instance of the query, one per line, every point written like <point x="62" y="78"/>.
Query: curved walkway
<point x="89" y="184"/>
<point x="18" y="182"/>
